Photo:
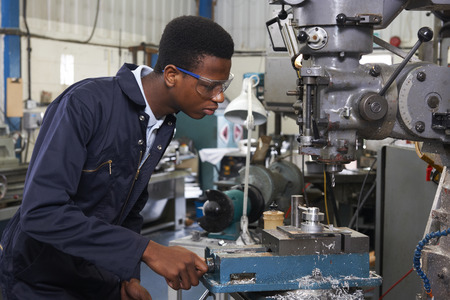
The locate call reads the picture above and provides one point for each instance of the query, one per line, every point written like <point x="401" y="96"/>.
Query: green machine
<point x="222" y="211"/>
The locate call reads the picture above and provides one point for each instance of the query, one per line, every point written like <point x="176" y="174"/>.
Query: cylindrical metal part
<point x="296" y="200"/>
<point x="307" y="112"/>
<point x="312" y="214"/>
<point x="311" y="220"/>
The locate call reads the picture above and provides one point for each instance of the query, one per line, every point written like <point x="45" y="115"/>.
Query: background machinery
<point x="338" y="103"/>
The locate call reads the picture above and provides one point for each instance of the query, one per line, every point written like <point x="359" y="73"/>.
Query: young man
<point x="76" y="234"/>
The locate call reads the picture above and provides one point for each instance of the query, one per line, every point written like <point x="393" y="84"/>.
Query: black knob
<point x="425" y="34"/>
<point x="375" y="71"/>
<point x="302" y="37"/>
<point x="282" y="14"/>
<point x="273" y="206"/>
<point x="341" y="19"/>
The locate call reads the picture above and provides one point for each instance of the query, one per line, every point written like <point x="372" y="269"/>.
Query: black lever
<point x="424" y="34"/>
<point x="342" y="19"/>
<point x="282" y="14"/>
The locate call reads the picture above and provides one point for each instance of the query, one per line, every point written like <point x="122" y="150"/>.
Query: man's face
<point x="198" y="97"/>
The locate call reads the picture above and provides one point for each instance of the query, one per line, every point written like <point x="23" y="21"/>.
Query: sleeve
<point x="134" y="221"/>
<point x="49" y="215"/>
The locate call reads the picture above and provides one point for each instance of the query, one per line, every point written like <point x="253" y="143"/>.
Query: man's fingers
<point x="200" y="265"/>
<point x="185" y="279"/>
<point x="175" y="284"/>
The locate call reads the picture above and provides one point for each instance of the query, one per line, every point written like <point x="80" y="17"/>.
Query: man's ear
<point x="170" y="75"/>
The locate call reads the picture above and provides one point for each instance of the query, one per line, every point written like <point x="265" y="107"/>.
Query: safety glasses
<point x="209" y="88"/>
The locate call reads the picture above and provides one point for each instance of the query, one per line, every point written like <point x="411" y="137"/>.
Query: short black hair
<point x="187" y="39"/>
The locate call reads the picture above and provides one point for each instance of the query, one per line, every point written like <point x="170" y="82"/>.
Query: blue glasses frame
<point x="209" y="88"/>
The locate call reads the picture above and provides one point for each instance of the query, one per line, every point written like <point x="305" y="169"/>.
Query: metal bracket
<point x="441" y="121"/>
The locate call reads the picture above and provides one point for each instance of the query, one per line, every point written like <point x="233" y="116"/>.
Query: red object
<point x="429" y="169"/>
<point x="404" y="276"/>
<point x="395" y="41"/>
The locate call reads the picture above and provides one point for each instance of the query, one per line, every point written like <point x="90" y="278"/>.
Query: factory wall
<point x="120" y="24"/>
<point x="124" y="23"/>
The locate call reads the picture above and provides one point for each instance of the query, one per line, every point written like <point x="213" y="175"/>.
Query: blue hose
<point x="418" y="254"/>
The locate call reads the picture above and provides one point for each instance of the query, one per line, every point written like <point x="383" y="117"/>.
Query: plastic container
<point x="272" y="219"/>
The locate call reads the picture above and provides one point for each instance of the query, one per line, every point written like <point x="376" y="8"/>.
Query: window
<point x="67" y="69"/>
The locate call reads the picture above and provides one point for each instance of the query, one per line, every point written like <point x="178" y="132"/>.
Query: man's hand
<point x="133" y="290"/>
<point x="180" y="267"/>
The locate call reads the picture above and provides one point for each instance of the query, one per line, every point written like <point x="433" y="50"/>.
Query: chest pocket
<point x="95" y="190"/>
<point x="105" y="164"/>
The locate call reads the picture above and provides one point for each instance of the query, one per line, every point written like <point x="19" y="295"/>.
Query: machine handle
<point x="282" y="14"/>
<point x="424" y="34"/>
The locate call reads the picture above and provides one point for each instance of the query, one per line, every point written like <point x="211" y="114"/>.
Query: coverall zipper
<point x="132" y="185"/>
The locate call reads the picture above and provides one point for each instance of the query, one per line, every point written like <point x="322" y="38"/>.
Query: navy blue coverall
<point x="76" y="234"/>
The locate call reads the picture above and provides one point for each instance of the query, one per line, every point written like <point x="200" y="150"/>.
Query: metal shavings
<point x="334" y="294"/>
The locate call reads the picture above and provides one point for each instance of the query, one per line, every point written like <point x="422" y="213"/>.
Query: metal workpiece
<point x="289" y="240"/>
<point x="311" y="217"/>
<point x="311" y="220"/>
<point x="296" y="201"/>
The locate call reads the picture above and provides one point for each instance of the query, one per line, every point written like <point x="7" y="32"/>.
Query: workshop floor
<point x="156" y="284"/>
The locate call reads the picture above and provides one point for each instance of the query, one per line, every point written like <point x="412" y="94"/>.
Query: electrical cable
<point x="427" y="159"/>
<point x="333" y="201"/>
<point x="28" y="34"/>
<point x="95" y="23"/>
<point x="358" y="206"/>
<point x="27" y="146"/>
<point x="67" y="40"/>
<point x="398" y="281"/>
<point x="288" y="212"/>
<point x="305" y="196"/>
<point x="325" y="195"/>
<point x="441" y="15"/>
<point x="418" y="254"/>
<point x="444" y="28"/>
